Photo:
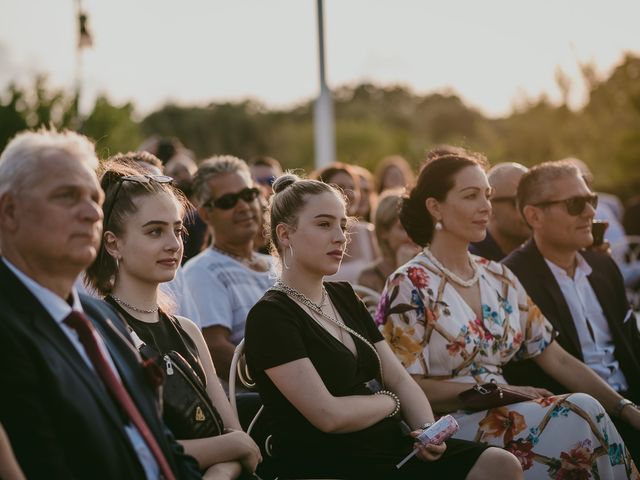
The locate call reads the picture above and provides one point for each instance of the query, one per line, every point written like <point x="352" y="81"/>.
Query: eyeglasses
<point x="141" y="179"/>
<point x="574" y="205"/>
<point x="266" y="180"/>
<point x="511" y="200"/>
<point x="228" y="201"/>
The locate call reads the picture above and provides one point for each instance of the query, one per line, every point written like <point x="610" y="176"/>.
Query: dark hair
<point x="290" y="194"/>
<point x="398" y="162"/>
<point x="327" y="173"/>
<point x="265" y="162"/>
<point x="102" y="272"/>
<point x="138" y="157"/>
<point x="436" y="178"/>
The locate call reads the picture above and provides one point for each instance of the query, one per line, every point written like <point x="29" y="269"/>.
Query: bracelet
<point x="395" y="399"/>
<point x="623" y="402"/>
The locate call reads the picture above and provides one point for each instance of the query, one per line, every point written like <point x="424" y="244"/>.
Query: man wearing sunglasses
<point x="227" y="278"/>
<point x="580" y="290"/>
<point x="507" y="230"/>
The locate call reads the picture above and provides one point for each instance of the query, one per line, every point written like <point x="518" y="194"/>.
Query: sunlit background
<point x="498" y="57"/>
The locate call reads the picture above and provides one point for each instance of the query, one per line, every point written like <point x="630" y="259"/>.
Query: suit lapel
<point x="555" y="301"/>
<point x="46" y="331"/>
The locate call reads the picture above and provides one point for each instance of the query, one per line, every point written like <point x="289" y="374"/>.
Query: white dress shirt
<point x="59" y="309"/>
<point x="592" y="326"/>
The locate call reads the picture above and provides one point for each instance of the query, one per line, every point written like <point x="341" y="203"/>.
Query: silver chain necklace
<point x="135" y="309"/>
<point x="306" y="301"/>
<point x="452" y="276"/>
<point x="252" y="262"/>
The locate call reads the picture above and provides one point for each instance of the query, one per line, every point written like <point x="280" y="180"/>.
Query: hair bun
<point x="284" y="181"/>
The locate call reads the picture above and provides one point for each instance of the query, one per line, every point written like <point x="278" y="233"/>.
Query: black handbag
<point x="187" y="410"/>
<point x="491" y="395"/>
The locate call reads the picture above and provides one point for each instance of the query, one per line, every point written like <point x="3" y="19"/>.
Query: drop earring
<point x="438" y="225"/>
<point x="284" y="257"/>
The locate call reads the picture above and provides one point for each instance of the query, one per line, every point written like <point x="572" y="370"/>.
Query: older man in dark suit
<point x="580" y="291"/>
<point x="76" y="401"/>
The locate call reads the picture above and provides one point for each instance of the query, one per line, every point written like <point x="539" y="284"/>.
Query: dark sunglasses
<point x="141" y="179"/>
<point x="511" y="200"/>
<point x="574" y="205"/>
<point x="266" y="180"/>
<point x="228" y="201"/>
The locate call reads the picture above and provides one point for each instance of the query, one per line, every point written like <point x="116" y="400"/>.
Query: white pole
<point x="325" y="143"/>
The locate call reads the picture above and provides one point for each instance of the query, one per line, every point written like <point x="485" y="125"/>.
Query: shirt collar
<point x="583" y="269"/>
<point x="55" y="305"/>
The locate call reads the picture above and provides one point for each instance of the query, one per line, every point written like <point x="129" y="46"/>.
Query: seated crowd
<point x="130" y="286"/>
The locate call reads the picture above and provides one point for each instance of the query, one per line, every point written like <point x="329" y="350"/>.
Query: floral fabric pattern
<point x="434" y="333"/>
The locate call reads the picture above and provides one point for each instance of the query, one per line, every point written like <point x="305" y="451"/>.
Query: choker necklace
<point x="452" y="276"/>
<point x="252" y="262"/>
<point x="135" y="309"/>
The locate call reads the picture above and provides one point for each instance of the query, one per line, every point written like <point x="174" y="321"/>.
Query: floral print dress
<point x="435" y="333"/>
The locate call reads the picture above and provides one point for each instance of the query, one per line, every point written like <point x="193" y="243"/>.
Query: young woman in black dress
<point x="142" y="247"/>
<point x="313" y="350"/>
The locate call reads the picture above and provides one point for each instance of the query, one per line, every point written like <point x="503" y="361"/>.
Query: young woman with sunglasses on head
<point x="313" y="350"/>
<point x="142" y="247"/>
<point x="454" y="320"/>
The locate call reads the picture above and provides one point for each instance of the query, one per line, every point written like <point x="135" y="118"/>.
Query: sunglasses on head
<point x="141" y="179"/>
<point x="229" y="200"/>
<point x="574" y="205"/>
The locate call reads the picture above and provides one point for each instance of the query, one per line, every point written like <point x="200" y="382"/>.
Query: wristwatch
<point x="617" y="412"/>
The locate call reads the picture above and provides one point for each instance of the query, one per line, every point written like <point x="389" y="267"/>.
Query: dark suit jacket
<point x="533" y="272"/>
<point x="59" y="417"/>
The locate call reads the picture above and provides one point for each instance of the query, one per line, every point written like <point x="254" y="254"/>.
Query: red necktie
<point x="88" y="337"/>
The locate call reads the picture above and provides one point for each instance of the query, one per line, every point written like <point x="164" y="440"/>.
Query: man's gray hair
<point x="211" y="168"/>
<point x="21" y="156"/>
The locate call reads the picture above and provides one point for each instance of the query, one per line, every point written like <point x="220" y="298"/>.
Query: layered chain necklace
<point x="317" y="308"/>
<point x="452" y="276"/>
<point x="254" y="263"/>
<point x="135" y="309"/>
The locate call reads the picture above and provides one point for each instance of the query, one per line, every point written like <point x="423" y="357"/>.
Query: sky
<point x="493" y="53"/>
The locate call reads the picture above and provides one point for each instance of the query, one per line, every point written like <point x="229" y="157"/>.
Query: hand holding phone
<point x="435" y="434"/>
<point x="598" y="227"/>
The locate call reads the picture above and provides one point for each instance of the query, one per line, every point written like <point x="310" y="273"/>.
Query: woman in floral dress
<point x="454" y="319"/>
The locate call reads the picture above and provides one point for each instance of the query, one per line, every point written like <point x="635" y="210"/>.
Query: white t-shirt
<point x="224" y="290"/>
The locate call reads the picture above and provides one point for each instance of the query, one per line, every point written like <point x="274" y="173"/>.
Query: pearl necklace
<point x="135" y="309"/>
<point x="252" y="262"/>
<point x="452" y="276"/>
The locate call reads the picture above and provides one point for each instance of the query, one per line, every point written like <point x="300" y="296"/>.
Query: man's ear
<point x="111" y="244"/>
<point x="8" y="212"/>
<point x="204" y="214"/>
<point x="433" y="207"/>
<point x="533" y="215"/>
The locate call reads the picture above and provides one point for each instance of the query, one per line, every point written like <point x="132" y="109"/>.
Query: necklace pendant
<point x="451" y="275"/>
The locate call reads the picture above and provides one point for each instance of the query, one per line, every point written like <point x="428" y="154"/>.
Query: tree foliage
<point x="371" y="123"/>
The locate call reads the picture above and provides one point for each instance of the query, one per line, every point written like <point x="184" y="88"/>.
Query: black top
<point x="164" y="336"/>
<point x="276" y="322"/>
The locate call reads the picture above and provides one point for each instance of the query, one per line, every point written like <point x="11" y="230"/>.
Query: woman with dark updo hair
<point x="454" y="319"/>
<point x="318" y="361"/>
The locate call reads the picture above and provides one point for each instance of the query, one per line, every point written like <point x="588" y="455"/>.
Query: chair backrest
<point x="368" y="296"/>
